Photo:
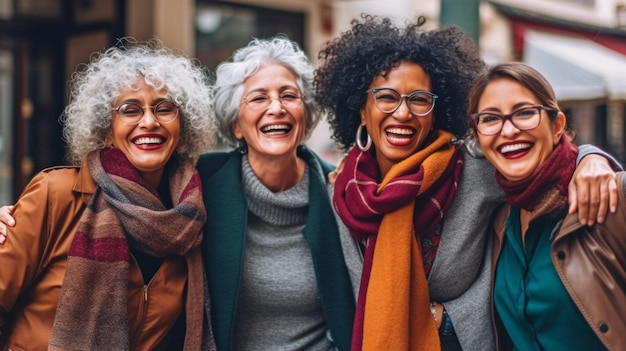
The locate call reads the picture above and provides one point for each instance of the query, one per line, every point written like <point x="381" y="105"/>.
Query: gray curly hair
<point x="246" y="61"/>
<point x="96" y="85"/>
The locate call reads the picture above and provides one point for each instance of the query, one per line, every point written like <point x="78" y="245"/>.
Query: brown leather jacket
<point x="34" y="260"/>
<point x="591" y="262"/>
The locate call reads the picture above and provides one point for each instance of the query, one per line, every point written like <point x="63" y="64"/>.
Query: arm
<point x="592" y="190"/>
<point x="6" y="220"/>
<point x="23" y="252"/>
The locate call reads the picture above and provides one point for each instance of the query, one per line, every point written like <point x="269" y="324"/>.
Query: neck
<point x="278" y="173"/>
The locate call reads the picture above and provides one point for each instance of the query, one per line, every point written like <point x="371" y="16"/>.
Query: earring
<point x="359" y="139"/>
<point x="243" y="147"/>
<point x="472" y="146"/>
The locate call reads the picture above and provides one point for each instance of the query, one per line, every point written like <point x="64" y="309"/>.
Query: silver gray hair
<point x="230" y="76"/>
<point x="96" y="86"/>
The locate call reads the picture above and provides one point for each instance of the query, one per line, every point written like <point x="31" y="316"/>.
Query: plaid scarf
<point x="126" y="212"/>
<point x="393" y="310"/>
<point x="545" y="190"/>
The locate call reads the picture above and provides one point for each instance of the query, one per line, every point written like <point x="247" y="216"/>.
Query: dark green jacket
<point x="225" y="237"/>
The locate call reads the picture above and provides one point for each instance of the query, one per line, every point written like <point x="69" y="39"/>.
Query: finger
<point x="3" y="238"/>
<point x="594" y="205"/>
<point x="571" y="198"/>
<point x="603" y="206"/>
<point x="6" y="217"/>
<point x="613" y="195"/>
<point x="582" y="196"/>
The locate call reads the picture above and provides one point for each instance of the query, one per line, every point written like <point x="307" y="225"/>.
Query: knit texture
<point x="278" y="306"/>
<point x="126" y="212"/>
<point x="546" y="189"/>
<point x="413" y="196"/>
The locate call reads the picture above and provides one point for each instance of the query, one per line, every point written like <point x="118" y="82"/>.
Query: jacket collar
<point x="84" y="182"/>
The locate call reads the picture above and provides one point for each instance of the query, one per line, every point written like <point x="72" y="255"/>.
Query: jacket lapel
<point x="224" y="239"/>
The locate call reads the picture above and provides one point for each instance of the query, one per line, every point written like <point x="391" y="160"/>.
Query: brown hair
<point x="521" y="73"/>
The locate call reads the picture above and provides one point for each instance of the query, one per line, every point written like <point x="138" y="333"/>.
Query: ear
<point x="108" y="139"/>
<point x="362" y="113"/>
<point x="558" y="126"/>
<point x="237" y="130"/>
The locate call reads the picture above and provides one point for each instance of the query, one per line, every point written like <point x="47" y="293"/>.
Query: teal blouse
<point x="530" y="299"/>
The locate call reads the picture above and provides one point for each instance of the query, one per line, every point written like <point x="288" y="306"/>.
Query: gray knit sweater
<point x="278" y="306"/>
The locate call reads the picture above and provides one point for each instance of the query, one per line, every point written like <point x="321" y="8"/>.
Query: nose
<point x="275" y="105"/>
<point x="508" y="128"/>
<point x="403" y="113"/>
<point x="148" y="119"/>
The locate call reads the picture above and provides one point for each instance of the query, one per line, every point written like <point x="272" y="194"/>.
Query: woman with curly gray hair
<point x="408" y="190"/>
<point x="106" y="255"/>
<point x="279" y="266"/>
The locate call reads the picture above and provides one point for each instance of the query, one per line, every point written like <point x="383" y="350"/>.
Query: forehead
<point x="405" y="76"/>
<point x="139" y="87"/>
<point x="270" y="76"/>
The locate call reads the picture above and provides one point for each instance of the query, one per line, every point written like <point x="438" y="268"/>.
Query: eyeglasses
<point x="387" y="100"/>
<point x="525" y="118"/>
<point x="260" y="102"/>
<point x="131" y="113"/>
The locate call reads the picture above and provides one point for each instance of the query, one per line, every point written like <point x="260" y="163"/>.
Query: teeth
<point x="514" y="147"/>
<point x="148" y="140"/>
<point x="400" y="131"/>
<point x="276" y="129"/>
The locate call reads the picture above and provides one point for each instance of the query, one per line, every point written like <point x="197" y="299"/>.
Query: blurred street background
<point x="579" y="45"/>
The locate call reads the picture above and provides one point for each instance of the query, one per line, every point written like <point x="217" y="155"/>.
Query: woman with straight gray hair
<point x="281" y="271"/>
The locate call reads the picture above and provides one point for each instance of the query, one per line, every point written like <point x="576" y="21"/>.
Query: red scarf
<point x="393" y="304"/>
<point x="125" y="212"/>
<point x="548" y="185"/>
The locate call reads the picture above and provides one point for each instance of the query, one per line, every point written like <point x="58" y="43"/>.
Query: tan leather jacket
<point x="34" y="259"/>
<point x="591" y="262"/>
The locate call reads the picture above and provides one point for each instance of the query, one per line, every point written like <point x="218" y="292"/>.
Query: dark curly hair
<point x="349" y="63"/>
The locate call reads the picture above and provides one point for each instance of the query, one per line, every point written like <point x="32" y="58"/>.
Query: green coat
<point x="225" y="237"/>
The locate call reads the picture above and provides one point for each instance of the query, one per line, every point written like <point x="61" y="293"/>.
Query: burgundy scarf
<point x="126" y="212"/>
<point x="410" y="201"/>
<point x="546" y="189"/>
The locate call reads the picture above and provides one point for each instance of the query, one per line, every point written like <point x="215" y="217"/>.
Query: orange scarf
<point x="394" y="299"/>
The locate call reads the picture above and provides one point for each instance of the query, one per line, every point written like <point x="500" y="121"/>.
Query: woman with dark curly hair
<point x="408" y="190"/>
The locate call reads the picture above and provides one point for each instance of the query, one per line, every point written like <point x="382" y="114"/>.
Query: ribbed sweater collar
<point x="288" y="207"/>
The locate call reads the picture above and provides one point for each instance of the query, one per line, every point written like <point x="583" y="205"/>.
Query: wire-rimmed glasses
<point x="525" y="118"/>
<point x="262" y="101"/>
<point x="131" y="113"/>
<point x="387" y="100"/>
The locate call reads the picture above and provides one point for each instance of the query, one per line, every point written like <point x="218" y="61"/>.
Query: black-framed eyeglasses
<point x="525" y="118"/>
<point x="262" y="101"/>
<point x="387" y="100"/>
<point x="131" y="113"/>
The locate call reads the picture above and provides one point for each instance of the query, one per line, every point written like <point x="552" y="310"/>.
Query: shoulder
<point x="59" y="178"/>
<point x="211" y="162"/>
<point x="315" y="162"/>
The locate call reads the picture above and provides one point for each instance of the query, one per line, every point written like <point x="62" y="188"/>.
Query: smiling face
<point x="149" y="144"/>
<point x="399" y="134"/>
<point x="278" y="128"/>
<point x="517" y="154"/>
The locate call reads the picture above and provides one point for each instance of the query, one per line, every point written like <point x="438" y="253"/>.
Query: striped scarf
<point x="545" y="190"/>
<point x="393" y="305"/>
<point x="126" y="212"/>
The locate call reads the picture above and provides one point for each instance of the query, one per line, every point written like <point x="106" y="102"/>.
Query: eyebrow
<point x="516" y="107"/>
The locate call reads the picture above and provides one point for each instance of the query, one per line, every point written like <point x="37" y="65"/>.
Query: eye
<point x="258" y="99"/>
<point x="526" y="112"/>
<point x="130" y="110"/>
<point x="420" y="99"/>
<point x="387" y="95"/>
<point x="165" y="107"/>
<point x="289" y="96"/>
<point x="488" y="118"/>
